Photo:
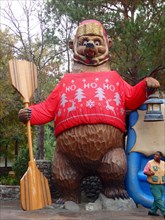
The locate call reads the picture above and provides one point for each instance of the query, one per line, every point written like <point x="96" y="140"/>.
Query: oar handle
<point x="29" y="137"/>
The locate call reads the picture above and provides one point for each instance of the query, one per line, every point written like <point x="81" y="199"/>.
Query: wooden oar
<point x="34" y="187"/>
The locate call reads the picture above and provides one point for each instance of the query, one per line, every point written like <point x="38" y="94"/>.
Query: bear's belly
<point x="89" y="142"/>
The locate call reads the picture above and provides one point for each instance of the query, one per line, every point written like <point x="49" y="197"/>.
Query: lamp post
<point x="153" y="112"/>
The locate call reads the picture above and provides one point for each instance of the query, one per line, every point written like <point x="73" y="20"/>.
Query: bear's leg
<point x="67" y="179"/>
<point x="112" y="174"/>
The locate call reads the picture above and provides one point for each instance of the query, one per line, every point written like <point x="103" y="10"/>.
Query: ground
<point x="11" y="210"/>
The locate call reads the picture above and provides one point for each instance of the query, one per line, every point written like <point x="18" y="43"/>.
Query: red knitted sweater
<point x="89" y="98"/>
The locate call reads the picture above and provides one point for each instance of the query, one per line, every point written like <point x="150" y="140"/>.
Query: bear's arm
<point x="44" y="112"/>
<point x="136" y="95"/>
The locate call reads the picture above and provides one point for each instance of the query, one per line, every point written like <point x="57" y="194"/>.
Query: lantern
<point x="153" y="112"/>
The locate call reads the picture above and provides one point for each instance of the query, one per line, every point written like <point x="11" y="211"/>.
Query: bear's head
<point x="90" y="45"/>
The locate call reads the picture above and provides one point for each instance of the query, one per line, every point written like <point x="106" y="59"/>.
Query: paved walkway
<point x="10" y="210"/>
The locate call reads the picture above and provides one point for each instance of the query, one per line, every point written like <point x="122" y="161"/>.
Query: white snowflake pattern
<point x="90" y="103"/>
<point x="97" y="79"/>
<point x="106" y="80"/>
<point x="72" y="81"/>
<point x="84" y="80"/>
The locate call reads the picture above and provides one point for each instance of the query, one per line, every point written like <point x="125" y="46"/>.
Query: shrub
<point x="21" y="163"/>
<point x="8" y="180"/>
<point x="49" y="143"/>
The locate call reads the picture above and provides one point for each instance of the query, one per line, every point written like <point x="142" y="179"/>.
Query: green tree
<point x="10" y="102"/>
<point x="20" y="165"/>
<point x="136" y="28"/>
<point x="50" y="142"/>
<point x="34" y="46"/>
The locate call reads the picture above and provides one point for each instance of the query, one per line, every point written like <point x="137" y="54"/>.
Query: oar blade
<point x="34" y="189"/>
<point x="24" y="77"/>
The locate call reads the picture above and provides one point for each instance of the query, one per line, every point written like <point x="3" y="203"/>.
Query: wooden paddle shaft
<point x="29" y="137"/>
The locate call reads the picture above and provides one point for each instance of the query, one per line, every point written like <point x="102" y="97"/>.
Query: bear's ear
<point x="71" y="44"/>
<point x="109" y="42"/>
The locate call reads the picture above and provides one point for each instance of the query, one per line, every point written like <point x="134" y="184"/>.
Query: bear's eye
<point x="85" y="42"/>
<point x="97" y="42"/>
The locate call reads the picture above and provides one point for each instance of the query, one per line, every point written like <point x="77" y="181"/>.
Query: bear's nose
<point x="90" y="45"/>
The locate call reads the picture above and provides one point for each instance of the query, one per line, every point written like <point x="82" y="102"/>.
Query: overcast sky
<point x="16" y="7"/>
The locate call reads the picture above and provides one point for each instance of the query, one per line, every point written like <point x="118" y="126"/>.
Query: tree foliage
<point x="33" y="45"/>
<point x="50" y="142"/>
<point x="136" y="28"/>
<point x="21" y="163"/>
<point x="10" y="102"/>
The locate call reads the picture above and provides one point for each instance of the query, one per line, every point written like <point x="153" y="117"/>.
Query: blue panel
<point x="133" y="118"/>
<point x="131" y="139"/>
<point x="143" y="107"/>
<point x="137" y="188"/>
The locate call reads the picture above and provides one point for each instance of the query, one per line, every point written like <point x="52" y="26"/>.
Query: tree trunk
<point x="40" y="143"/>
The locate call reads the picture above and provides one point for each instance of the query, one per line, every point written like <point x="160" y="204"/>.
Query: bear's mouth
<point x="90" y="53"/>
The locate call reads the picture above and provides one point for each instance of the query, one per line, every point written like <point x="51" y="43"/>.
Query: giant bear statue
<point x="88" y="108"/>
